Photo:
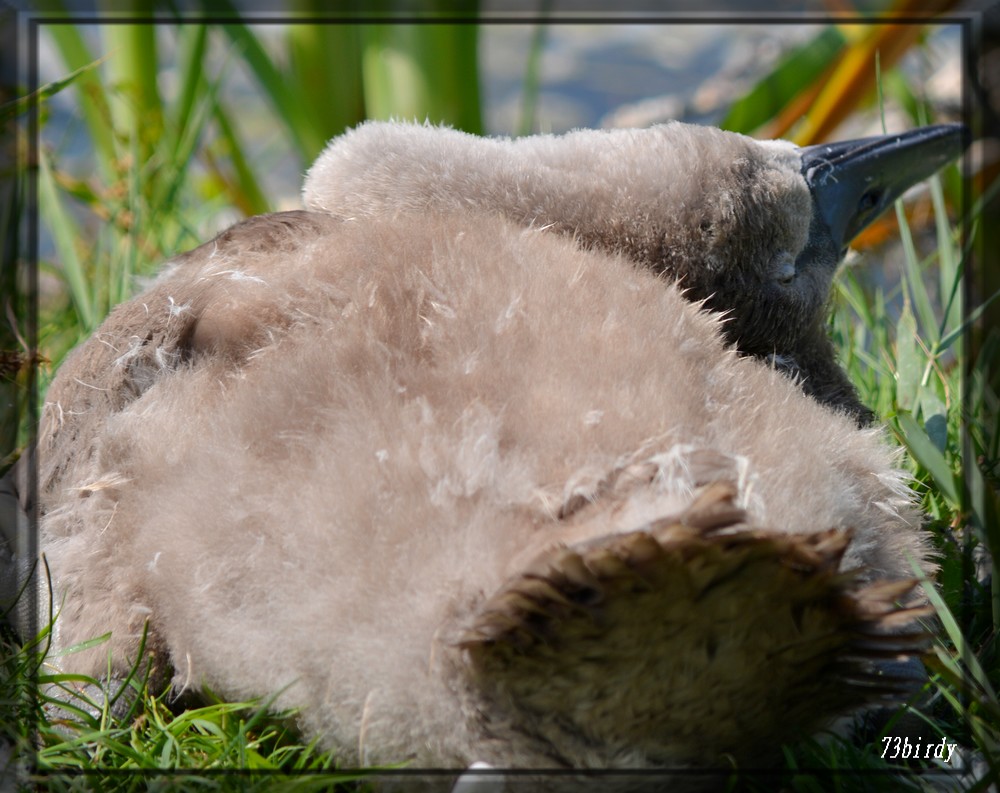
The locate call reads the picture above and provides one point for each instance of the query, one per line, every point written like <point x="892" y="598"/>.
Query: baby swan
<point x="463" y="489"/>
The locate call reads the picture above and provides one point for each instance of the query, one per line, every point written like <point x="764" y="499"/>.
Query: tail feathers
<point x="691" y="637"/>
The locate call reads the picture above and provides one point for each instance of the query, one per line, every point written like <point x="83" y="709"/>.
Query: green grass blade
<point x="325" y="62"/>
<point x="926" y="453"/>
<point x="949" y="274"/>
<point x="85" y="645"/>
<point x="532" y="73"/>
<point x="136" y="106"/>
<point x="192" y="45"/>
<point x="246" y="193"/>
<point x="93" y="99"/>
<point x="122" y="259"/>
<point x="64" y="235"/>
<point x="198" y="103"/>
<point x="278" y="88"/>
<point x="909" y="360"/>
<point x="970" y="319"/>
<point x="913" y="280"/>
<point x="16" y="107"/>
<point x="955" y="635"/>
<point x="422" y="72"/>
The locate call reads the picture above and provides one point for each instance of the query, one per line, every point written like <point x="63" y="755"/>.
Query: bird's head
<point x="760" y="226"/>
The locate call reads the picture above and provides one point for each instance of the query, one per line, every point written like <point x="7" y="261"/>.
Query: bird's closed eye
<point x="869" y="201"/>
<point x="786" y="272"/>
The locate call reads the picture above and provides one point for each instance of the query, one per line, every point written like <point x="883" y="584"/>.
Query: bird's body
<point x="373" y="432"/>
<point x="463" y="489"/>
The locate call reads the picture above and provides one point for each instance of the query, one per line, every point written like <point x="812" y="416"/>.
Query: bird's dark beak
<point x="854" y="181"/>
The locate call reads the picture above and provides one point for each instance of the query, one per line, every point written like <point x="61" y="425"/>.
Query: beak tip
<point x="854" y="181"/>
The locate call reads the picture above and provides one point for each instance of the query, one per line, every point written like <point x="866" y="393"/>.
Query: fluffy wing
<point x="693" y="627"/>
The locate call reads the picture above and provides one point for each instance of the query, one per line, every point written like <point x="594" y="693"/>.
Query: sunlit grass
<point x="69" y="732"/>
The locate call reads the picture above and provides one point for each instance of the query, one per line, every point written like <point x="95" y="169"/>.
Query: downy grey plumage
<point x="465" y="489"/>
<point x="755" y="229"/>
